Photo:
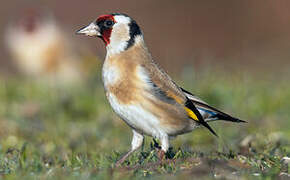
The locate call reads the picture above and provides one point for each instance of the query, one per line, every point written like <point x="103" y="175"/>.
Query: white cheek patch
<point x="118" y="39"/>
<point x="122" y="19"/>
<point x="120" y="35"/>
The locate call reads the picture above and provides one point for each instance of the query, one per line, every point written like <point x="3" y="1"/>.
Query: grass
<point x="52" y="132"/>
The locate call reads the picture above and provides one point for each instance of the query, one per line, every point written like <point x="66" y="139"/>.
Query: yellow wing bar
<point x="191" y="114"/>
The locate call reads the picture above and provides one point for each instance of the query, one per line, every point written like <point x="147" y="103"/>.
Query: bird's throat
<point x="106" y="34"/>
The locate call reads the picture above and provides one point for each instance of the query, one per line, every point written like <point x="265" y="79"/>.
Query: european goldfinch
<point x="40" y="49"/>
<point x="140" y="92"/>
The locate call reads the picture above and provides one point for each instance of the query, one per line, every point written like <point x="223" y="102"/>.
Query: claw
<point x="161" y="154"/>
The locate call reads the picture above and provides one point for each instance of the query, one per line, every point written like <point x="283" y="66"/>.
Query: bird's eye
<point x="109" y="23"/>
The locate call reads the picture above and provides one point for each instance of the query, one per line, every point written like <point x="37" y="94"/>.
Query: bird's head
<point x="118" y="31"/>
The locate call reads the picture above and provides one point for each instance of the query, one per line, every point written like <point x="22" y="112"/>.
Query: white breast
<point x="110" y="74"/>
<point x="137" y="117"/>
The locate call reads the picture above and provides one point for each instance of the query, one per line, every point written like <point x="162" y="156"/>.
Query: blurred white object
<point x="41" y="50"/>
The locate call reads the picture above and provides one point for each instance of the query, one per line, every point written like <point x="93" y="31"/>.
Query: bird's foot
<point x="123" y="158"/>
<point x="161" y="154"/>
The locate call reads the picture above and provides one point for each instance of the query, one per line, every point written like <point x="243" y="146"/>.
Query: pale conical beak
<point x="90" y="30"/>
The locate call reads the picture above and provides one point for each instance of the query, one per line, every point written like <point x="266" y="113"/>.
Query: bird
<point x="40" y="49"/>
<point x="140" y="92"/>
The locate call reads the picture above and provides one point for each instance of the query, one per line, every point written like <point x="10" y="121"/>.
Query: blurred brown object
<point x="41" y="50"/>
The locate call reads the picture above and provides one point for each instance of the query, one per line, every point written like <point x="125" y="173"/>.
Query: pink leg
<point x="161" y="154"/>
<point x="137" y="142"/>
<point x="164" y="147"/>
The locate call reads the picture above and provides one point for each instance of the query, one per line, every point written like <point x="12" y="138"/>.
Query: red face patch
<point x="105" y="23"/>
<point x="105" y="17"/>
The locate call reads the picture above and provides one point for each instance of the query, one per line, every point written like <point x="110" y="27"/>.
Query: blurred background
<point x="233" y="54"/>
<point x="246" y="33"/>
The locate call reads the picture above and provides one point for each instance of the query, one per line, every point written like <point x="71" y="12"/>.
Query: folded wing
<point x="164" y="89"/>
<point x="209" y="113"/>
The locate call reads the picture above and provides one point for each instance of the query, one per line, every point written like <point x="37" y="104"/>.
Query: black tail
<point x="226" y="117"/>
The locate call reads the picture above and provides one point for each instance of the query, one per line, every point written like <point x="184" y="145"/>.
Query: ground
<point x="71" y="133"/>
